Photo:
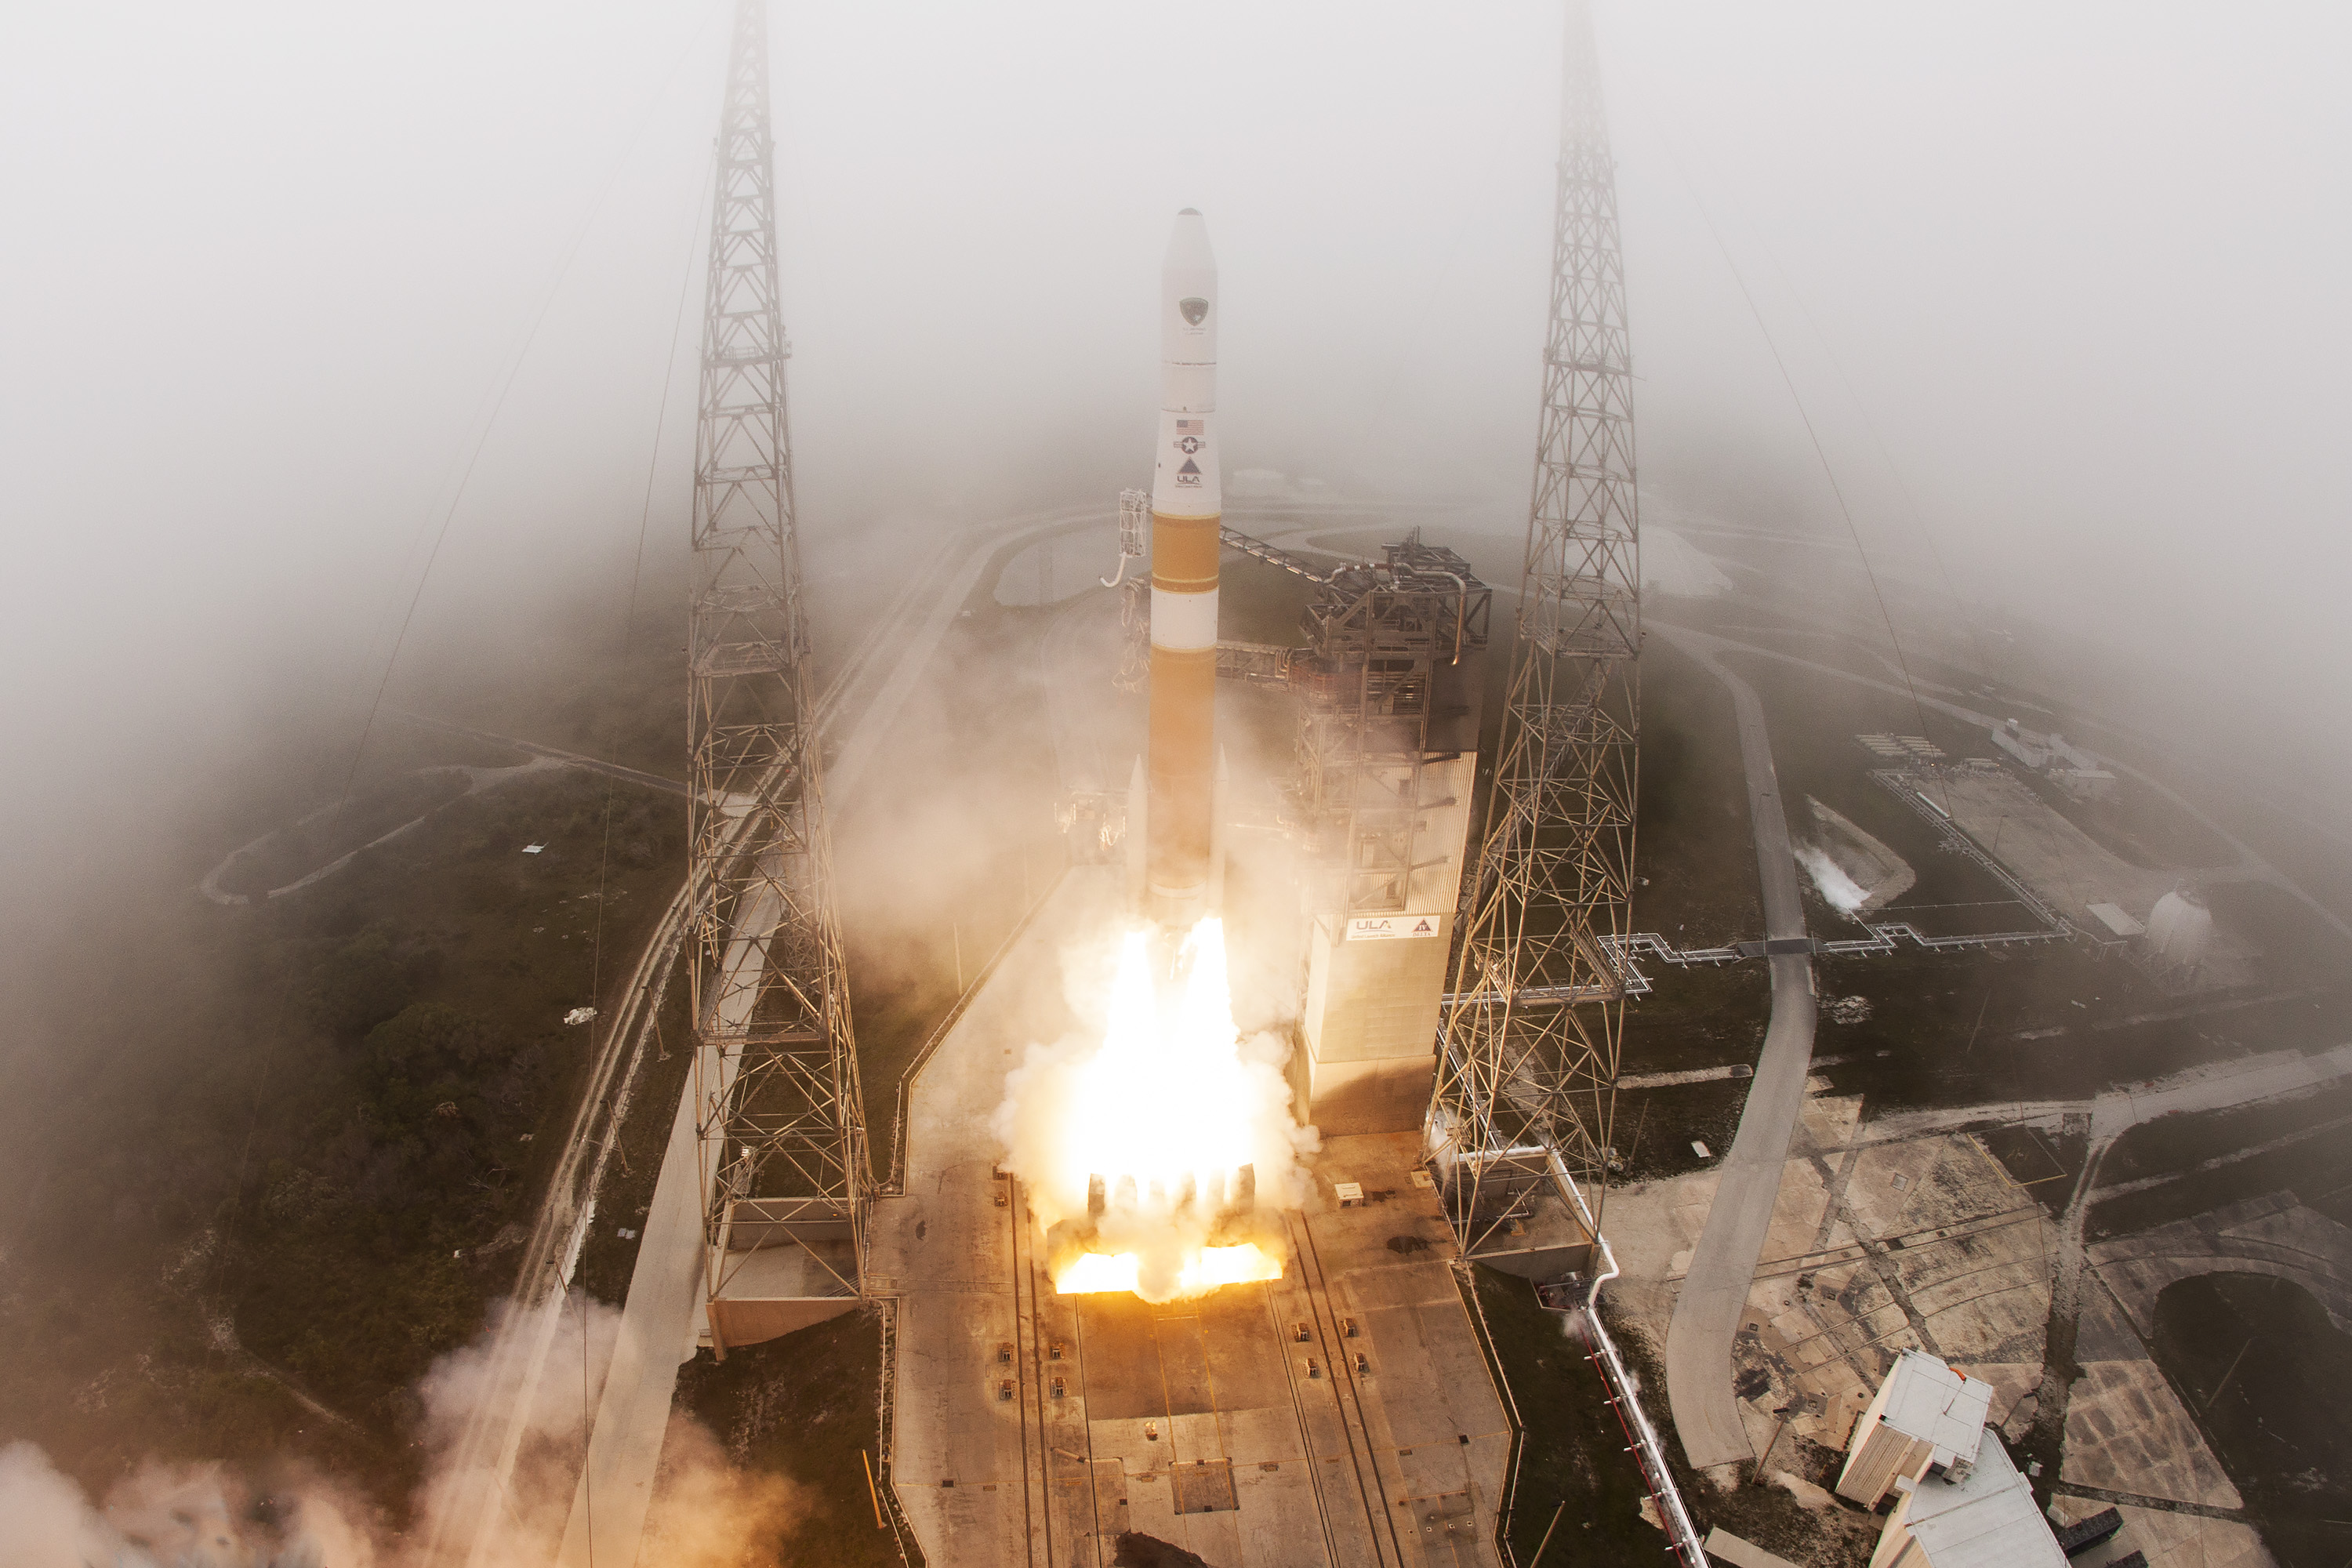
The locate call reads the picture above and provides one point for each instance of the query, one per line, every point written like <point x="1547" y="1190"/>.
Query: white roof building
<point x="1977" y="1515"/>
<point x="1927" y="1416"/>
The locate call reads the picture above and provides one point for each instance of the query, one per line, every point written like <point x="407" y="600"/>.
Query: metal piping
<point x="1680" y="1529"/>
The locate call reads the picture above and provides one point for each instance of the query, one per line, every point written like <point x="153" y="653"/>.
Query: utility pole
<point x="1529" y="1044"/>
<point x="782" y="1122"/>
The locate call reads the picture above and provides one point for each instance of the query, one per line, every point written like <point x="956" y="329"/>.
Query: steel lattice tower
<point x="783" y="1159"/>
<point x="1528" y="1045"/>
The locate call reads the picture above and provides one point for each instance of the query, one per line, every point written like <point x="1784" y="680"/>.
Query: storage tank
<point x="2180" y="931"/>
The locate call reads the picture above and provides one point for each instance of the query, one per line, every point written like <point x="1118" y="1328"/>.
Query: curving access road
<point x="1723" y="1265"/>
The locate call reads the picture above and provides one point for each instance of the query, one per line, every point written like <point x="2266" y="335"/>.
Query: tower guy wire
<point x="1829" y="470"/>
<point x="462" y="463"/>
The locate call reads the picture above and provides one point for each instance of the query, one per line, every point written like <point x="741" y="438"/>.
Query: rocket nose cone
<point x="1188" y="246"/>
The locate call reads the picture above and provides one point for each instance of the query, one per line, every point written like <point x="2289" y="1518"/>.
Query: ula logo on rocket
<point x="1195" y="308"/>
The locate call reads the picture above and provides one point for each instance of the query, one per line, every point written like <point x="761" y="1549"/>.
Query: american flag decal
<point x="1190" y="427"/>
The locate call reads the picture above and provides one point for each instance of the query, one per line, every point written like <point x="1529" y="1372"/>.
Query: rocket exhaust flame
<point x="1160" y="1128"/>
<point x="1147" y="1152"/>
<point x="1093" y="1273"/>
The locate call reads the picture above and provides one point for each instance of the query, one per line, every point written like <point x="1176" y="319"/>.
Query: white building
<point x="1927" y="1416"/>
<point x="1962" y="1504"/>
<point x="2057" y="759"/>
<point x="1980" y="1515"/>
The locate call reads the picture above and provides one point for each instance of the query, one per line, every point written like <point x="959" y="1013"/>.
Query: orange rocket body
<point x="1187" y="511"/>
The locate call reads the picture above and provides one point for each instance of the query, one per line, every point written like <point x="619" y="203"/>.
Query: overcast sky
<point x="263" y="271"/>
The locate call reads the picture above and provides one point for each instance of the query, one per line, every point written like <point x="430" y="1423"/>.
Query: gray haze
<point x="264" y="269"/>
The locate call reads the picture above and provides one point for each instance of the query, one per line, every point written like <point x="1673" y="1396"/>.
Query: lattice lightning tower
<point x="1529" y="1044"/>
<point x="783" y="1127"/>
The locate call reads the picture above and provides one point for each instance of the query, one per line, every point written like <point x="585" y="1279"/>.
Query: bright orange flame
<point x="1165" y="1113"/>
<point x="1205" y="1270"/>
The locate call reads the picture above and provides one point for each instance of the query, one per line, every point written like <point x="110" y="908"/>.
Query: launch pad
<point x="1341" y="1414"/>
<point x="1343" y="1411"/>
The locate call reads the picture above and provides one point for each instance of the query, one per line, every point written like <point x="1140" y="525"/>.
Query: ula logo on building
<point x="1194" y="309"/>
<point x="1391" y="927"/>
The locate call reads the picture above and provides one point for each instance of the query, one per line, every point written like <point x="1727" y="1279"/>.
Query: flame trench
<point x="1153" y="1188"/>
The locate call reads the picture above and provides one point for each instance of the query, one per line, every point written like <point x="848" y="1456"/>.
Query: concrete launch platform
<point x="1342" y="1414"/>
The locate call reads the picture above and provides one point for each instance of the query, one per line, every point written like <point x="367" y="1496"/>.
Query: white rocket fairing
<point x="1187" y="507"/>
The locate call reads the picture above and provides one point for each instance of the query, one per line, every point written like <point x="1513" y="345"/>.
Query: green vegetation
<point x="318" y="1124"/>
<point x="803" y="1407"/>
<point x="610" y="1259"/>
<point x="1696" y="856"/>
<point x="299" y="848"/>
<point x="578" y="675"/>
<point x="1572" y="1454"/>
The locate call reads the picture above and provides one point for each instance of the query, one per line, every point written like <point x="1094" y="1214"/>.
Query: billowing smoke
<point x="1843" y="893"/>
<point x="706" y="1513"/>
<point x="1156" y="1130"/>
<point x="537" y="1412"/>
<point x="170" y="1515"/>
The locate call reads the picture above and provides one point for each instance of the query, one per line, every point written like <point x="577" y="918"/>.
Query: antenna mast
<point x="1528" y="1047"/>
<point x="783" y="1127"/>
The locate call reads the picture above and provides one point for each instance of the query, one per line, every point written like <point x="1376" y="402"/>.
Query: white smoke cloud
<point x="706" y="1513"/>
<point x="165" y="1516"/>
<point x="1843" y="892"/>
<point x="472" y="1389"/>
<point x="48" y="1520"/>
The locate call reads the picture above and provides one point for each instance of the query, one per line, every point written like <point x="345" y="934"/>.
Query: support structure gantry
<point x="783" y="1163"/>
<point x="1528" y="1050"/>
<point x="1388" y="686"/>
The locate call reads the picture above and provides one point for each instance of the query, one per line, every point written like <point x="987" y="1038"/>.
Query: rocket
<point x="1187" y="507"/>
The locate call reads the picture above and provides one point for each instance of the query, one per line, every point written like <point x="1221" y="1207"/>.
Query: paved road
<point x="985" y="546"/>
<point x="591" y="765"/>
<point x="2214" y="1085"/>
<point x="1706" y="1314"/>
<point x="472" y="1516"/>
<point x="472" y="1512"/>
<point x="2251" y="866"/>
<point x="1723" y="1265"/>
